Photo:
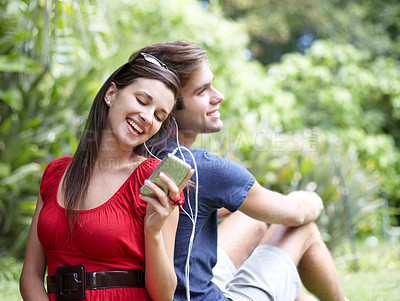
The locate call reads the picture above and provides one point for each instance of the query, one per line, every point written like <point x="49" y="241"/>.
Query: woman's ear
<point x="110" y="94"/>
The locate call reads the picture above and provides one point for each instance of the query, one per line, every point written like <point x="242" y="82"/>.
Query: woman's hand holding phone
<point x="162" y="199"/>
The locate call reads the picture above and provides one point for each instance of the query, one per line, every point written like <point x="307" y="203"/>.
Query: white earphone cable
<point x="191" y="217"/>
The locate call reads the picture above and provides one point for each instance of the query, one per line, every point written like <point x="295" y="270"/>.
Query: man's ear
<point x="110" y="93"/>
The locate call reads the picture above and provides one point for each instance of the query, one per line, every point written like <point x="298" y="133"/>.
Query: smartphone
<point x="174" y="167"/>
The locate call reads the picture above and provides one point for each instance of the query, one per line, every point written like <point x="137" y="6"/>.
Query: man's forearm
<point x="295" y="209"/>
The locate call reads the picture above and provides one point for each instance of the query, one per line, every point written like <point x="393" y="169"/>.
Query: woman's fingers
<point x="173" y="190"/>
<point x="158" y="193"/>
<point x="165" y="199"/>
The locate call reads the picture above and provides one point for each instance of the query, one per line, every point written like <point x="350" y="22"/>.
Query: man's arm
<point x="295" y="209"/>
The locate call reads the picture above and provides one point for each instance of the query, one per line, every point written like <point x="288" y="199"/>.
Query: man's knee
<point x="293" y="240"/>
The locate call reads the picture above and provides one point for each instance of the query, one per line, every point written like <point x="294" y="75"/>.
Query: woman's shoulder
<point x="61" y="160"/>
<point x="57" y="163"/>
<point x="53" y="173"/>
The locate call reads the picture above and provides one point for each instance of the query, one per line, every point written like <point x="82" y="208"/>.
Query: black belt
<point x="71" y="282"/>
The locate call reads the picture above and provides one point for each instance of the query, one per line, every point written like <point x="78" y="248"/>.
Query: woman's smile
<point x="135" y="127"/>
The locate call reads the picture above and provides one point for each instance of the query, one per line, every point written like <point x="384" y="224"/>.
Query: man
<point x="254" y="263"/>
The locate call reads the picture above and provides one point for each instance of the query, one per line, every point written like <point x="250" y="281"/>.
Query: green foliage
<point x="38" y="111"/>
<point x="278" y="27"/>
<point x="274" y="27"/>
<point x="10" y="270"/>
<point x="351" y="95"/>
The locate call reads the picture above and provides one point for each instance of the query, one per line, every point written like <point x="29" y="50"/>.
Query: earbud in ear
<point x="179" y="104"/>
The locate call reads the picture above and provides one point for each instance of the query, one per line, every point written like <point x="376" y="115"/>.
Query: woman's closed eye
<point x="140" y="101"/>
<point x="161" y="115"/>
<point x="158" y="118"/>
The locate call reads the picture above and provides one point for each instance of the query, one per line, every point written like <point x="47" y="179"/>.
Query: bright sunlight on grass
<point x="378" y="277"/>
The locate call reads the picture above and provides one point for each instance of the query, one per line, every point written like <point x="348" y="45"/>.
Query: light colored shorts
<point x="268" y="274"/>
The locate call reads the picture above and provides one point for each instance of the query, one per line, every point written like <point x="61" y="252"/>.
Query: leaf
<point x="20" y="173"/>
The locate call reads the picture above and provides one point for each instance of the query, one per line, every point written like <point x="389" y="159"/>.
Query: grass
<point x="372" y="286"/>
<point x="378" y="277"/>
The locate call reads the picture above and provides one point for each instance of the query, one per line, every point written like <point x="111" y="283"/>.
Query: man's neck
<point x="187" y="138"/>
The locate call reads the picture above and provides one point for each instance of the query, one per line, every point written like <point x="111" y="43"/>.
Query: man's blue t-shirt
<point x="222" y="183"/>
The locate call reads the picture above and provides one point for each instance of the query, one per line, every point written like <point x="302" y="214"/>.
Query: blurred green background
<point x="312" y="101"/>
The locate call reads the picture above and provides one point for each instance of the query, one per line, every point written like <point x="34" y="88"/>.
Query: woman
<point x="98" y="236"/>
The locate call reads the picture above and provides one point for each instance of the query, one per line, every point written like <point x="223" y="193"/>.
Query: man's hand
<point x="310" y="201"/>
